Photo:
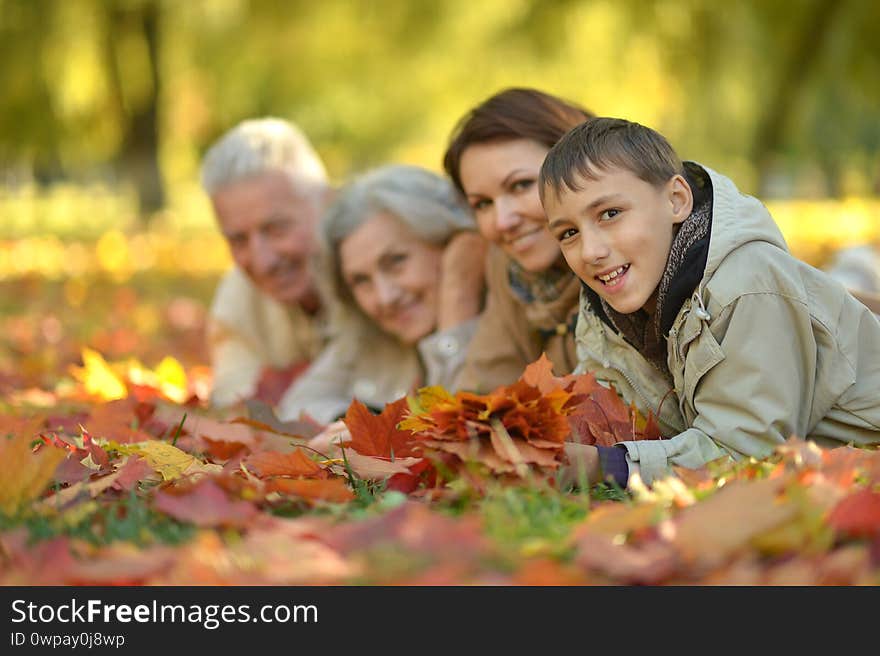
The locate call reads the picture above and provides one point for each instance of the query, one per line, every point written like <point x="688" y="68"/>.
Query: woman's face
<point x="500" y="180"/>
<point x="394" y="276"/>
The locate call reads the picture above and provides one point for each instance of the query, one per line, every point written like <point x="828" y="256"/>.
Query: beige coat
<point x="374" y="368"/>
<point x="512" y="333"/>
<point x="765" y="348"/>
<point x="248" y="331"/>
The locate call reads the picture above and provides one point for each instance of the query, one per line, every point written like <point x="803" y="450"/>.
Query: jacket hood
<point x="736" y="218"/>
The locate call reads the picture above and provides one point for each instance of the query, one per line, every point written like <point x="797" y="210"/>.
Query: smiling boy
<point x="693" y="309"/>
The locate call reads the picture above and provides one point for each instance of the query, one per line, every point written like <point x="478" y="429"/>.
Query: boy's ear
<point x="681" y="197"/>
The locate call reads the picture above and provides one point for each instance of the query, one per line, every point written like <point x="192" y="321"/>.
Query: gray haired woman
<point x="403" y="265"/>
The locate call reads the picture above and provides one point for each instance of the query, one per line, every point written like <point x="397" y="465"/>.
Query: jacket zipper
<point x="607" y="365"/>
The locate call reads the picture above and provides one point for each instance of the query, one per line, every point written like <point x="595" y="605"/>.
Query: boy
<point x="693" y="308"/>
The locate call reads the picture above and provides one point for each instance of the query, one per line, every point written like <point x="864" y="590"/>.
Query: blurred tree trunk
<point x="804" y="55"/>
<point x="138" y="156"/>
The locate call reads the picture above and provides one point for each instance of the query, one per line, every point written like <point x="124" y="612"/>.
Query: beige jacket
<point x="247" y="331"/>
<point x="375" y="369"/>
<point x="512" y="333"/>
<point x="765" y="348"/>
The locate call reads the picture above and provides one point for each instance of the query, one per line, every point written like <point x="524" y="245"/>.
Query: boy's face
<point x="616" y="232"/>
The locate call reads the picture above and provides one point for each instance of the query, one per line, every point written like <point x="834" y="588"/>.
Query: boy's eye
<point x="608" y="214"/>
<point x="521" y="185"/>
<point x="566" y="234"/>
<point x="480" y="205"/>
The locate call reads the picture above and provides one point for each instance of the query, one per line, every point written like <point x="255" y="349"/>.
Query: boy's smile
<point x="616" y="232"/>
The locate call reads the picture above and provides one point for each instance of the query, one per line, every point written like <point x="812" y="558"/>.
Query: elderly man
<point x="268" y="189"/>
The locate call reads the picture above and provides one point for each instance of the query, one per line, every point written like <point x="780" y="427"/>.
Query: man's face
<point x="616" y="233"/>
<point x="269" y="225"/>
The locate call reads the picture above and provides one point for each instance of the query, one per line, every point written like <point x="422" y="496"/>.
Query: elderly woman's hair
<point x="257" y="146"/>
<point x="425" y="202"/>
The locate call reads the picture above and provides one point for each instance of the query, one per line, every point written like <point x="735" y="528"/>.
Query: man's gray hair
<point x="257" y="146"/>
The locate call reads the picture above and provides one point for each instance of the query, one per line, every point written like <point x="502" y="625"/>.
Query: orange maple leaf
<point x="378" y="435"/>
<point x="597" y="414"/>
<point x="515" y="429"/>
<point x="274" y="463"/>
<point x="332" y="489"/>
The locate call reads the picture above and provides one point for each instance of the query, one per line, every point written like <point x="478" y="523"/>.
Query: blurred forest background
<point x="108" y="105"/>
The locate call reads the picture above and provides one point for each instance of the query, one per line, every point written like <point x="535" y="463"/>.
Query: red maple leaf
<point x="204" y="504"/>
<point x="857" y="515"/>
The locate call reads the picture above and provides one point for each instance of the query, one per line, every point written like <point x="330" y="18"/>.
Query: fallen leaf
<point x="713" y="530"/>
<point x="334" y="489"/>
<point x="26" y="474"/>
<point x="858" y="515"/>
<point x="378" y="435"/>
<point x="204" y="504"/>
<point x="272" y="463"/>
<point x="168" y="460"/>
<point x="98" y="377"/>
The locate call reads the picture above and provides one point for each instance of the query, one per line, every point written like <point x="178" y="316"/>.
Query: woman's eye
<point x="480" y="205"/>
<point x="356" y="282"/>
<point x="609" y="214"/>
<point x="396" y="259"/>
<point x="521" y="185"/>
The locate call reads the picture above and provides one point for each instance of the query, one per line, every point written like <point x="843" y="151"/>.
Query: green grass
<point x="128" y="519"/>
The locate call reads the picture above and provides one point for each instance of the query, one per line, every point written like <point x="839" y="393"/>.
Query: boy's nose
<point x="593" y="249"/>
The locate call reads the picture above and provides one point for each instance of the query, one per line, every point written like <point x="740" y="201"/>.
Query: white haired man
<point x="268" y="189"/>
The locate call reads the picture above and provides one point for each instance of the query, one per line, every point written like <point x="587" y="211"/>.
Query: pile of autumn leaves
<point x="260" y="503"/>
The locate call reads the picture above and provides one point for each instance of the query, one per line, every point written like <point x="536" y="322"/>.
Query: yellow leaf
<point x="172" y="379"/>
<point x="167" y="459"/>
<point x="97" y="376"/>
<point x="25" y="473"/>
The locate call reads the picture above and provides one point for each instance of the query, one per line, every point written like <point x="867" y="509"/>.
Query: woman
<point x="403" y="262"/>
<point x="493" y="158"/>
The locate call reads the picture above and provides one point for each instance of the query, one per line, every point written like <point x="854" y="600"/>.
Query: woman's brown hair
<point x="516" y="113"/>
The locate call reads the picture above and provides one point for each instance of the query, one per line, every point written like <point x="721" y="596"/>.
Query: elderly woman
<point x="405" y="265"/>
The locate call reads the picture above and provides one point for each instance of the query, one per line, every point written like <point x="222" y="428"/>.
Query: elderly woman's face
<point x="394" y="276"/>
<point x="500" y="180"/>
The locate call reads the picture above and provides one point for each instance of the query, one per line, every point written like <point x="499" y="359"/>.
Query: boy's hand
<point x="581" y="468"/>
<point x="462" y="279"/>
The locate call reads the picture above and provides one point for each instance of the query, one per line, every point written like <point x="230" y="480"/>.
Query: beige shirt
<point x="375" y="369"/>
<point x="248" y="331"/>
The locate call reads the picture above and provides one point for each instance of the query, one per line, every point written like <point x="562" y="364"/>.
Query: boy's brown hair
<point x="515" y="113"/>
<point x="602" y="143"/>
